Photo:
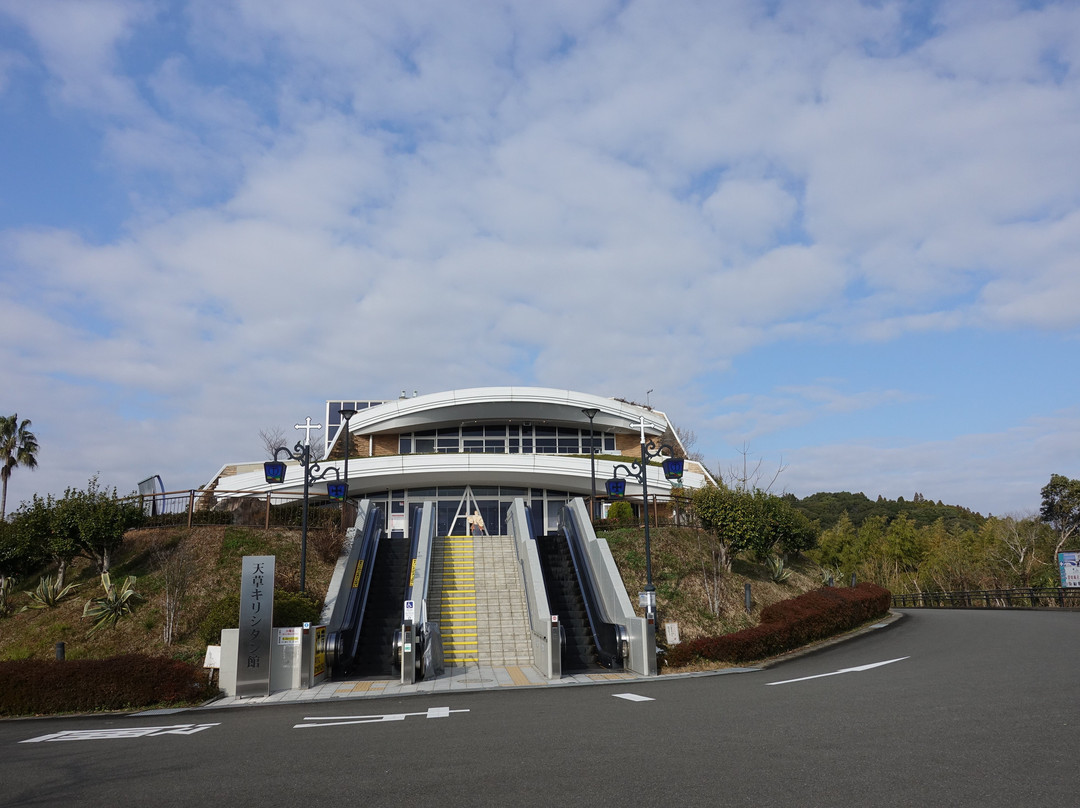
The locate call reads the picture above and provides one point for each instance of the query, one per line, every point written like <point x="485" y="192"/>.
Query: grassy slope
<point x="214" y="555"/>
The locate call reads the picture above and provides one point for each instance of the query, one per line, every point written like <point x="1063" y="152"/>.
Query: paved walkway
<point x="455" y="680"/>
<point x="495" y="677"/>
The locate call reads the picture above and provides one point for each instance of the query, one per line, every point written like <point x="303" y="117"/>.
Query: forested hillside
<point x="920" y="545"/>
<point x="827" y="508"/>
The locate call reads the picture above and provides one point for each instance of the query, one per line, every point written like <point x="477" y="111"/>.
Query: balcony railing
<point x="193" y="508"/>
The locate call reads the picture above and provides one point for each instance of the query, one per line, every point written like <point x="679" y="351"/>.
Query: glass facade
<point x="505" y="439"/>
<point x="453" y="504"/>
<point x="334" y="419"/>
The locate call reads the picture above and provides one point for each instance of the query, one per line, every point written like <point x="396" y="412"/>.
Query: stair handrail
<point x="544" y="627"/>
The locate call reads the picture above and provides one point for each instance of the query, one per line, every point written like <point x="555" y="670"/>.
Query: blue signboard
<point x="1069" y="564"/>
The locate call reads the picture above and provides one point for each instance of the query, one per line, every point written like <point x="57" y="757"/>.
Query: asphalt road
<point x="973" y="708"/>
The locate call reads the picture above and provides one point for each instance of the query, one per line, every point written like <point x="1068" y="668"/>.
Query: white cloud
<point x="999" y="473"/>
<point x="77" y="41"/>
<point x="606" y="196"/>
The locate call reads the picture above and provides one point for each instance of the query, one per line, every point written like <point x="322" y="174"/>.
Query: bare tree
<point x="176" y="570"/>
<point x="688" y="439"/>
<point x="272" y="438"/>
<point x="1018" y="546"/>
<point x="750" y="479"/>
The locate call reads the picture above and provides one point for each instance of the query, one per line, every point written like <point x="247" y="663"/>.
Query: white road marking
<point x="632" y="697"/>
<point x="836" y="673"/>
<point x="343" y="720"/>
<point x="126" y="732"/>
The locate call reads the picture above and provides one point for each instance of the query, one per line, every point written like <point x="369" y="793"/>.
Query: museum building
<point x="479" y="449"/>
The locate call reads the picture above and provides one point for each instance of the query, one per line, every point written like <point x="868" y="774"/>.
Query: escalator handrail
<point x="599" y="625"/>
<point x="420" y="559"/>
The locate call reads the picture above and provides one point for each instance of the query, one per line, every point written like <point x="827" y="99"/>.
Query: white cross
<point x="307" y="426"/>
<point x="641" y="424"/>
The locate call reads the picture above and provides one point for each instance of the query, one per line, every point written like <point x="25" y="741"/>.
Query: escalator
<point x="580" y="617"/>
<point x="565" y="599"/>
<point x="382" y="618"/>
<point x="373" y="578"/>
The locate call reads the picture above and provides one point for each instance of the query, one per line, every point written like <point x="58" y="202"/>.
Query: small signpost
<point x="671" y="630"/>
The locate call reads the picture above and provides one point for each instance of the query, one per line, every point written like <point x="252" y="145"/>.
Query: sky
<point x="836" y="240"/>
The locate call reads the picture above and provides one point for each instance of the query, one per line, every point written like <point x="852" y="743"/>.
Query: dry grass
<point x="214" y="555"/>
<point x="215" y="552"/>
<point x="677" y="556"/>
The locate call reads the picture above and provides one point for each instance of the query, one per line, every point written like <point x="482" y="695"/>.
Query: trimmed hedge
<point x="788" y="625"/>
<point x="133" y="681"/>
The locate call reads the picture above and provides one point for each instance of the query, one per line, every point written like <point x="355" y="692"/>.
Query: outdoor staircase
<point x="478" y="599"/>
<point x="452" y="598"/>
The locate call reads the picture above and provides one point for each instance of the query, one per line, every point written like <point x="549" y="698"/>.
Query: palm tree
<point x="18" y="447"/>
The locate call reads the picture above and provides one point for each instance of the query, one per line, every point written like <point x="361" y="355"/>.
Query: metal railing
<point x="1017" y="598"/>
<point x="242" y="508"/>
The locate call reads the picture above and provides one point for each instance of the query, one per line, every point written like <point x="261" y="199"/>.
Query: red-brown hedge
<point x="788" y="625"/>
<point x="42" y="687"/>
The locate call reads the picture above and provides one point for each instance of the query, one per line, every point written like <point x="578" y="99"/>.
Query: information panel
<point x="256" y="626"/>
<point x="1069" y="564"/>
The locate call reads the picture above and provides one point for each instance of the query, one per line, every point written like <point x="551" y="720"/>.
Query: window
<point x="504" y="439"/>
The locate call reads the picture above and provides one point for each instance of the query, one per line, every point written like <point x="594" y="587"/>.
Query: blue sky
<point x="840" y="237"/>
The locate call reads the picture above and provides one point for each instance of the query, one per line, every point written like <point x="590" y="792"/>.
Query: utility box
<point x="297" y="658"/>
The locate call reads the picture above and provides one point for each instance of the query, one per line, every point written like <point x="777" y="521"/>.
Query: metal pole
<point x="592" y="468"/>
<point x="303" y="521"/>
<point x="590" y="413"/>
<point x="345" y="502"/>
<point x="645" y="504"/>
<point x="346" y="413"/>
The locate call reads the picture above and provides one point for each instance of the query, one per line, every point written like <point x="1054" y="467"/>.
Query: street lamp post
<point x="346" y="413"/>
<point x="274" y="471"/>
<point x="673" y="470"/>
<point x="591" y="413"/>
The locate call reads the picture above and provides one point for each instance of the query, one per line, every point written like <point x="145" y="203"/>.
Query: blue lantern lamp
<point x="673" y="468"/>
<point x="274" y="471"/>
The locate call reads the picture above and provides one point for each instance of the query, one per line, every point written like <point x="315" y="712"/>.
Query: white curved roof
<point x="535" y="404"/>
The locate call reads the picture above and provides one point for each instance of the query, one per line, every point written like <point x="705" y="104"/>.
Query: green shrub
<point x="621" y="513"/>
<point x="295" y="608"/>
<point x="35" y="687"/>
<point x="290" y="609"/>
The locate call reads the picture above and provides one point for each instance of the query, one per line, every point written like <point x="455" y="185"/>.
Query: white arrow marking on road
<point x="343" y="720"/>
<point x="836" y="673"/>
<point x="126" y="732"/>
<point x="632" y="697"/>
